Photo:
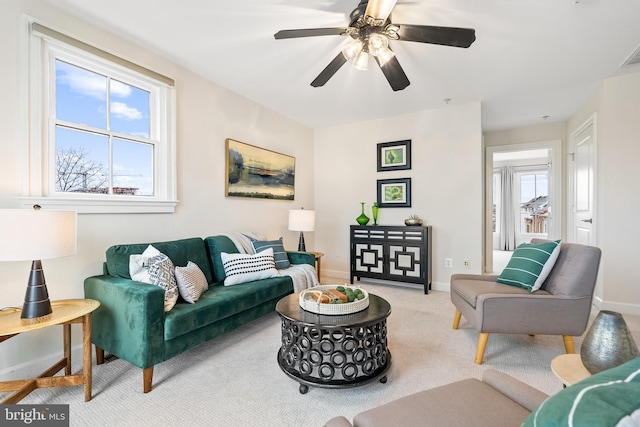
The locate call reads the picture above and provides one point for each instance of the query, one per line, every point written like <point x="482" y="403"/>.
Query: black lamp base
<point x="301" y="246"/>
<point x="36" y="300"/>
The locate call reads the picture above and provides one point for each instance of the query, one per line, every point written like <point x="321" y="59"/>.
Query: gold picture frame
<point x="256" y="172"/>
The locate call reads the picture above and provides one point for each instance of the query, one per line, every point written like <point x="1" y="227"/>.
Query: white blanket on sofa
<point x="303" y="275"/>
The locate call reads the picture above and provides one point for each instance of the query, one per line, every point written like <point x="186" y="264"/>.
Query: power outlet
<point x="467" y="263"/>
<point x="448" y="263"/>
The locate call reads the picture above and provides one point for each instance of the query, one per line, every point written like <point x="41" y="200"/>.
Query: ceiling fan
<point x="371" y="29"/>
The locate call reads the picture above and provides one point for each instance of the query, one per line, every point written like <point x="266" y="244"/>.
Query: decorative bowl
<point x="310" y="304"/>
<point x="410" y="221"/>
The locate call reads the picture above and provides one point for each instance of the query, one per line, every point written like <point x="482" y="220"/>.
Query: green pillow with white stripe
<point x="279" y="254"/>
<point x="608" y="398"/>
<point x="530" y="265"/>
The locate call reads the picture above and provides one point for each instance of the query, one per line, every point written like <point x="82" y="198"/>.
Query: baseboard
<point x="620" y="307"/>
<point x="343" y="277"/>
<point x="35" y="367"/>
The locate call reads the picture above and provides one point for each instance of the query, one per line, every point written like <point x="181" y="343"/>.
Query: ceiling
<point x="531" y="58"/>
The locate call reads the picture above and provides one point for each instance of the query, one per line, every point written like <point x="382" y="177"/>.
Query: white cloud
<point x="122" y="111"/>
<point x="89" y="83"/>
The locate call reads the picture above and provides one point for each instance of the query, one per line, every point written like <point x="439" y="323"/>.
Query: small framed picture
<point x="393" y="156"/>
<point x="394" y="193"/>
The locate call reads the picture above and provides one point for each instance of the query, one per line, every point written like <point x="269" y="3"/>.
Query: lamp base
<point x="301" y="246"/>
<point x="36" y="300"/>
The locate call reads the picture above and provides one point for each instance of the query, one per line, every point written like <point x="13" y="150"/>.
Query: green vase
<point x="374" y="210"/>
<point x="362" y="219"/>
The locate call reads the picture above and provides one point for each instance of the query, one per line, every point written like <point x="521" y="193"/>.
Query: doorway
<point x="523" y="198"/>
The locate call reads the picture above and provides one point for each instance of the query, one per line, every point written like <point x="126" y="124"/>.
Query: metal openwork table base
<point x="334" y="351"/>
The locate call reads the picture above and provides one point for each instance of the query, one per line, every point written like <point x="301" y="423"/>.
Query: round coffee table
<point x="334" y="351"/>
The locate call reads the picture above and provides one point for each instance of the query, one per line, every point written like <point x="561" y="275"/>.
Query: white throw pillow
<point x="191" y="282"/>
<point x="241" y="268"/>
<point x="139" y="266"/>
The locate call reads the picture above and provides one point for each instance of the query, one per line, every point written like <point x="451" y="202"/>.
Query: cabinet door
<point x="369" y="258"/>
<point x="405" y="261"/>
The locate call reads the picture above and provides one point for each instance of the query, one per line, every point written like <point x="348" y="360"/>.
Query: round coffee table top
<point x="289" y="307"/>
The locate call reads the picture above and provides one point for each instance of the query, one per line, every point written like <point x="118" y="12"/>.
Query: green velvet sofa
<point x="131" y="323"/>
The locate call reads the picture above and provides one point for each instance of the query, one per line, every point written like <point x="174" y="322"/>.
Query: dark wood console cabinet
<point x="396" y="253"/>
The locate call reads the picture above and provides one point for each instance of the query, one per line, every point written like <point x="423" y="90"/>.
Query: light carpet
<point x="234" y="380"/>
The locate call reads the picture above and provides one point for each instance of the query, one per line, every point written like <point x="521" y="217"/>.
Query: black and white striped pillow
<point x="242" y="268"/>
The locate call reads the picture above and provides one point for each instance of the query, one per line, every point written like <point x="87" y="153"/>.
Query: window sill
<point x="99" y="206"/>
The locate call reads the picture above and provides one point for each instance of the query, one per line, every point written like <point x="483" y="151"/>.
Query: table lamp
<point x="302" y="220"/>
<point x="34" y="235"/>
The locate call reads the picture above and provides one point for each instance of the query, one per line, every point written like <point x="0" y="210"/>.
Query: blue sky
<point x="81" y="97"/>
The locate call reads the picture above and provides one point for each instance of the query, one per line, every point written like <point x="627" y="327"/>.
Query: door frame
<point x="555" y="190"/>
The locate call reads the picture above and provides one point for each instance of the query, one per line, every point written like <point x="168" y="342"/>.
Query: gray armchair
<point x="561" y="307"/>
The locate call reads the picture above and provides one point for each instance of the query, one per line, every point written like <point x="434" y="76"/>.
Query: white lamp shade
<point x="302" y="220"/>
<point x="28" y="235"/>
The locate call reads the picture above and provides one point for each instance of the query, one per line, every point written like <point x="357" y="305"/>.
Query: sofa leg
<point x="147" y="378"/>
<point x="99" y="356"/>
<point x="482" y="345"/>
<point x="456" y="319"/>
<point x="568" y="344"/>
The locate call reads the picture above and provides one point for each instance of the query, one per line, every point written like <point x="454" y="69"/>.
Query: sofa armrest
<point x="338" y="422"/>
<point x="521" y="393"/>
<point x="297" y="257"/>
<point x="130" y="320"/>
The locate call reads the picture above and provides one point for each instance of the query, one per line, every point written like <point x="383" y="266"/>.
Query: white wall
<point x="446" y="184"/>
<point x="616" y="102"/>
<point x="206" y="115"/>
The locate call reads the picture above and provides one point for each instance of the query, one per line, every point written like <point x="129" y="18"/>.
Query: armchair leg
<point x="568" y="344"/>
<point x="456" y="319"/>
<point x="147" y="378"/>
<point x="482" y="345"/>
<point x="99" y="356"/>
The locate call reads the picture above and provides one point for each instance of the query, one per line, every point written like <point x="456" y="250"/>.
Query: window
<point x="534" y="202"/>
<point x="102" y="131"/>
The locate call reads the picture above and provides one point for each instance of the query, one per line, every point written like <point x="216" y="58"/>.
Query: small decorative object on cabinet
<point x="396" y="253"/>
<point x="374" y="210"/>
<point x="413" y="220"/>
<point x="608" y="343"/>
<point x="362" y="219"/>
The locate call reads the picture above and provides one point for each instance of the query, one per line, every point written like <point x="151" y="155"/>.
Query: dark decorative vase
<point x="362" y="219"/>
<point x="374" y="210"/>
<point x="608" y="343"/>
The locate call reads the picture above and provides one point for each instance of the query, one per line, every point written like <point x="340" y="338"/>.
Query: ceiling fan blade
<point x="329" y="71"/>
<point x="446" y="36"/>
<point x="394" y="73"/>
<point x="379" y="10"/>
<point x="310" y="32"/>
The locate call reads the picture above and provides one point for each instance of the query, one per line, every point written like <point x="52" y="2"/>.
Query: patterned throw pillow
<point x="241" y="268"/>
<point x="161" y="272"/>
<point x="530" y="265"/>
<point x="191" y="282"/>
<point x="608" y="398"/>
<point x="279" y="254"/>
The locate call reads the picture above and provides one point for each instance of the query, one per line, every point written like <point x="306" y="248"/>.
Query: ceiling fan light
<point x="362" y="61"/>
<point x="384" y="55"/>
<point x="377" y="42"/>
<point x="352" y="50"/>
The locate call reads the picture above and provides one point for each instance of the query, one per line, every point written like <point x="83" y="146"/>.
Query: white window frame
<point x="39" y="180"/>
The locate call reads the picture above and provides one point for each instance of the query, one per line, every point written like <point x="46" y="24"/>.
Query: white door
<point x="582" y="171"/>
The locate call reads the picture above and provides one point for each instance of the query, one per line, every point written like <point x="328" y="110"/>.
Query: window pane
<point x="129" y="109"/>
<point x="81" y="95"/>
<point x="132" y="168"/>
<point x="534" y="203"/>
<point x="81" y="162"/>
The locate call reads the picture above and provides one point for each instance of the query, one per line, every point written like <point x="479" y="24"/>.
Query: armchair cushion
<point x="530" y="265"/>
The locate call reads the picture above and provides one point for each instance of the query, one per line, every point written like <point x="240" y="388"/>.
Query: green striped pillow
<point x="279" y="254"/>
<point x="530" y="265"/>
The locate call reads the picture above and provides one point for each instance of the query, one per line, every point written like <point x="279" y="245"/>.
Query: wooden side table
<point x="569" y="369"/>
<point x="65" y="312"/>
<point x="318" y="256"/>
